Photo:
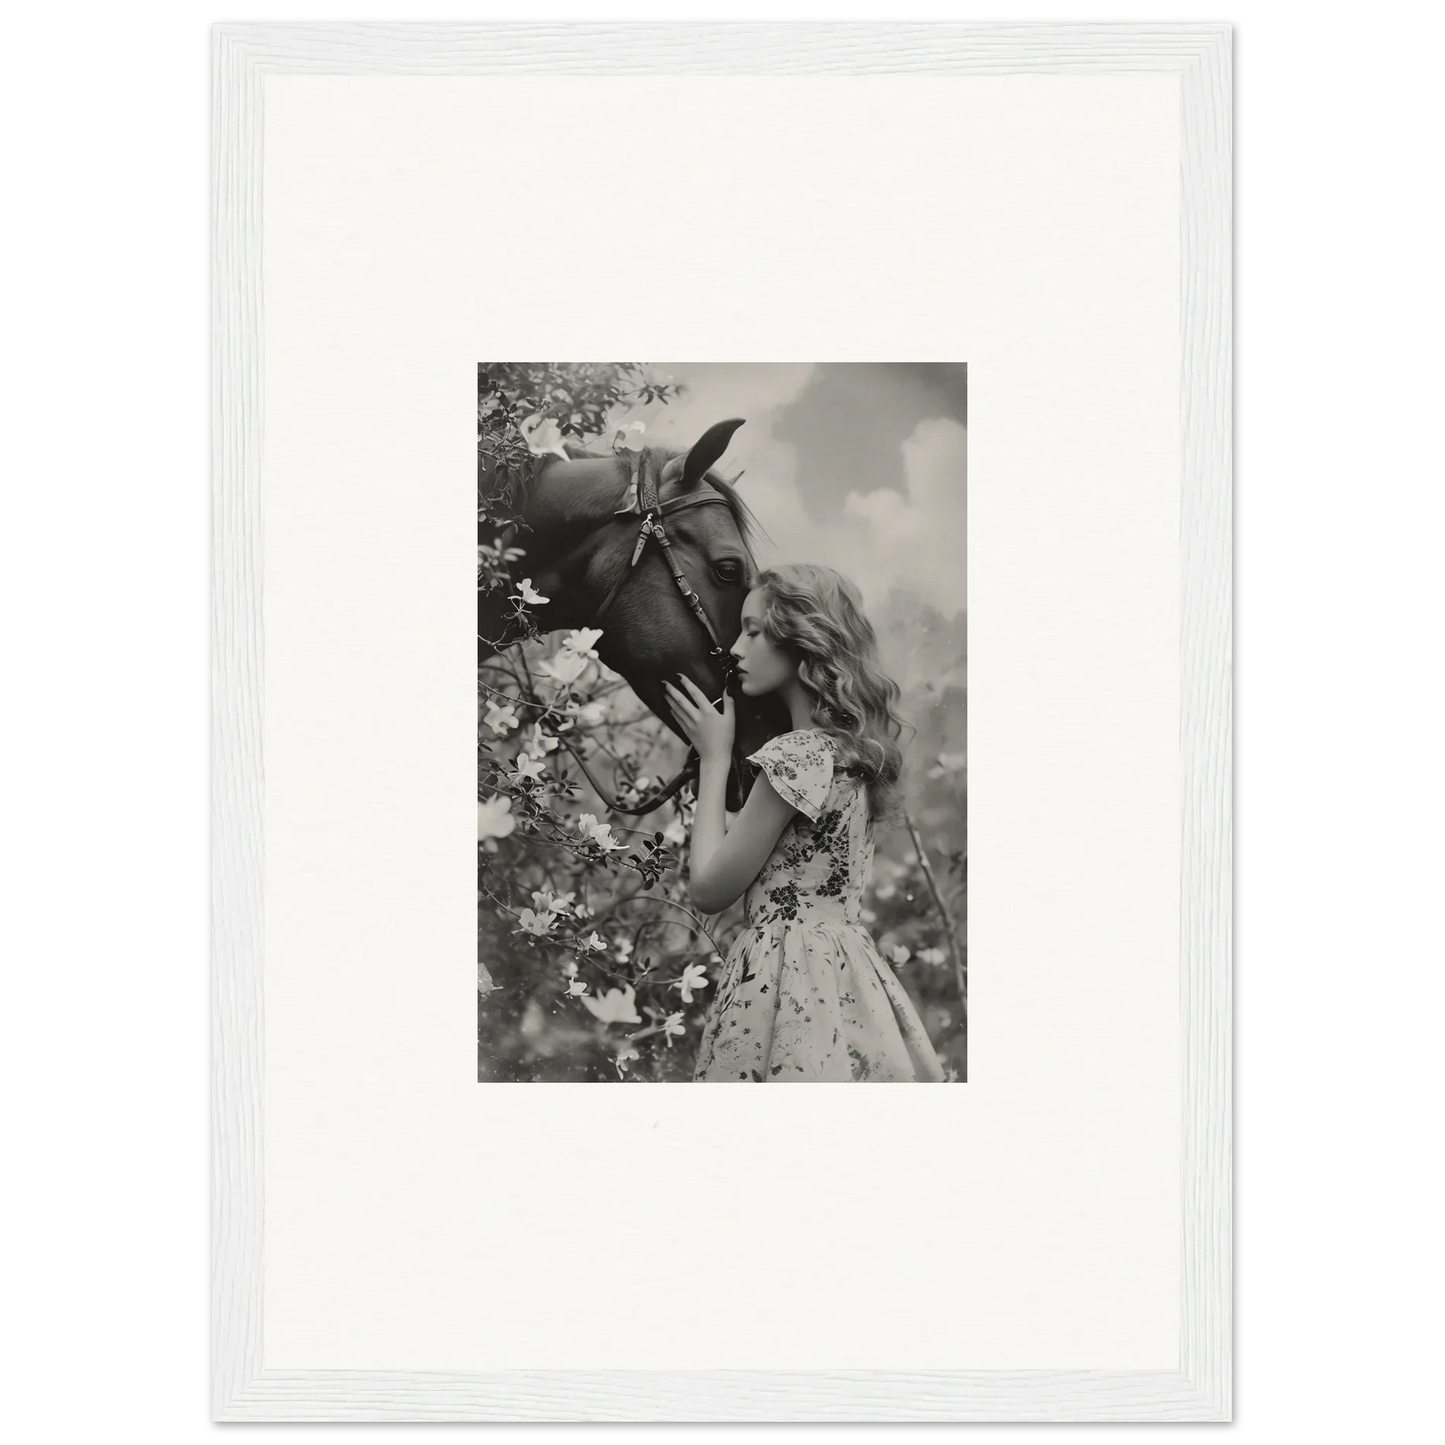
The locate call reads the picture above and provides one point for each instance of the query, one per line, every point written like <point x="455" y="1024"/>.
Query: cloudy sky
<point x="861" y="467"/>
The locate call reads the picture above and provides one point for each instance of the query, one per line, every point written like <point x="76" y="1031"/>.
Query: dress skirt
<point x="811" y="1001"/>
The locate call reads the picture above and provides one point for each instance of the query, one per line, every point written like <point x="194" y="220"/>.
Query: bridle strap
<point x="643" y="498"/>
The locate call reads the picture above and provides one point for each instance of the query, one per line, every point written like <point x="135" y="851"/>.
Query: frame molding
<point x="1204" y="1396"/>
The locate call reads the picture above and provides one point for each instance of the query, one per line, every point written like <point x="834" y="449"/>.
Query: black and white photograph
<point x="722" y="722"/>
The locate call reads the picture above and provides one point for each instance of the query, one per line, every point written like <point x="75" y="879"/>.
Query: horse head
<point x="587" y="552"/>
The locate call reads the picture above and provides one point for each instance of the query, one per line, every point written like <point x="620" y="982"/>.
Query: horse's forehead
<point x="708" y="519"/>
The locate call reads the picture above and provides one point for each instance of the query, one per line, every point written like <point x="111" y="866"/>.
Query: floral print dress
<point x="804" y="995"/>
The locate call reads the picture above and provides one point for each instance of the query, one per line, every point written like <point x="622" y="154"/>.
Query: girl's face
<point x="762" y="667"/>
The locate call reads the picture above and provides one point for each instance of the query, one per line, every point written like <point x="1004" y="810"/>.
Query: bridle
<point x="642" y="499"/>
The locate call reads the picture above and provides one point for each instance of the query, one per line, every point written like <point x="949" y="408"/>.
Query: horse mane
<point x="742" y="514"/>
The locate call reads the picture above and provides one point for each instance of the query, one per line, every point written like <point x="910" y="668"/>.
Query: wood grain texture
<point x="741" y="48"/>
<point x="237" y="778"/>
<point x="1200" y="1389"/>
<point x="1205" y="713"/>
<point x="717" y="1395"/>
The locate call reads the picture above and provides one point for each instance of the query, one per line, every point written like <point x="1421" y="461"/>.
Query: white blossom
<point x="543" y="437"/>
<point x="616" y="1006"/>
<point x="501" y="718"/>
<point x="582" y="641"/>
<point x="540" y="743"/>
<point x="565" y="668"/>
<point x="528" y="770"/>
<point x="629" y="438"/>
<point x="539" y="925"/>
<point x="592" y="714"/>
<point x="694" y="976"/>
<point x="598" y="833"/>
<point x="494" y="818"/>
<point x="527" y="593"/>
<point x="548" y="902"/>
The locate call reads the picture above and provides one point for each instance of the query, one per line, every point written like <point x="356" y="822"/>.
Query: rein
<point x="655" y="800"/>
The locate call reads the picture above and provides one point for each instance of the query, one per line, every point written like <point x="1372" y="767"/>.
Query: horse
<point x="655" y="549"/>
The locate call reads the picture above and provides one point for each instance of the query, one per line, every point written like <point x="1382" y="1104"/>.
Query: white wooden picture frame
<point x="257" y="575"/>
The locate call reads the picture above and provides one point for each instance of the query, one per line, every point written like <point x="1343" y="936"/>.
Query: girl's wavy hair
<point x="815" y="615"/>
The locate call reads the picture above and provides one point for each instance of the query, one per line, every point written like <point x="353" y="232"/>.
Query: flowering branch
<point x="960" y="961"/>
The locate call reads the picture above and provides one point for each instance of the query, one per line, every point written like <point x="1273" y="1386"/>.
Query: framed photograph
<point x="848" y="702"/>
<point x="822" y="939"/>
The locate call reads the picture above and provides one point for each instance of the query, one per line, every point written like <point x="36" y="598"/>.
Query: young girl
<point x="804" y="995"/>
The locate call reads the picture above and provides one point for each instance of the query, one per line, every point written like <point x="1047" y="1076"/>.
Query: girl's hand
<point x="707" y="729"/>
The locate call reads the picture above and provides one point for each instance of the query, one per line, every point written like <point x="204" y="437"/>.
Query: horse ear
<point x="706" y="450"/>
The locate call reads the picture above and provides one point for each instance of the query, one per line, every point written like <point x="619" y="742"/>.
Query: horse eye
<point x="728" y="570"/>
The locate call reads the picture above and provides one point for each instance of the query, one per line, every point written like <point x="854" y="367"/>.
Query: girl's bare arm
<point x="724" y="859"/>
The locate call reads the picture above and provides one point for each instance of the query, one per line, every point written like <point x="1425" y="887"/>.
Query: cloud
<point x="850" y="423"/>
<point x="759" y="394"/>
<point x="913" y="538"/>
<point x="920" y="538"/>
<point x="715" y="392"/>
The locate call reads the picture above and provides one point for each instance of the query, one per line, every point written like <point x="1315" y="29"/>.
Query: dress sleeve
<point x="800" y="768"/>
